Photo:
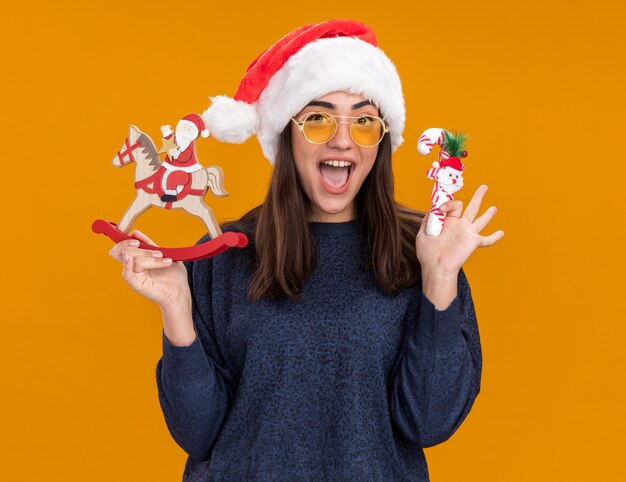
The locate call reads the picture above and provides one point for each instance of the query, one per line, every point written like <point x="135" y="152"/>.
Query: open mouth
<point x="335" y="175"/>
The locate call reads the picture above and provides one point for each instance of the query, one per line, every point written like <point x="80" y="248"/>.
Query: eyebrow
<point x="328" y="105"/>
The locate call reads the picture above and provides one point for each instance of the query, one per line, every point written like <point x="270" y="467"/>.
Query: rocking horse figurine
<point x="179" y="182"/>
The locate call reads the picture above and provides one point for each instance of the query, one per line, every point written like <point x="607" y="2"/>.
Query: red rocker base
<point x="207" y="249"/>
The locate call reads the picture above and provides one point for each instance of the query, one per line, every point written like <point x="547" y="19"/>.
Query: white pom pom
<point x="423" y="149"/>
<point x="205" y="133"/>
<point x="435" y="164"/>
<point x="231" y="120"/>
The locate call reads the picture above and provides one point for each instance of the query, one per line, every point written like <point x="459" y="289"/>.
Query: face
<point x="332" y="190"/>
<point x="450" y="179"/>
<point x="185" y="130"/>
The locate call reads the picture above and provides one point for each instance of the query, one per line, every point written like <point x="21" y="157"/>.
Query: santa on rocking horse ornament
<point x="178" y="182"/>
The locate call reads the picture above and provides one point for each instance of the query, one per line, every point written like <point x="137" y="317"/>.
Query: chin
<point x="332" y="209"/>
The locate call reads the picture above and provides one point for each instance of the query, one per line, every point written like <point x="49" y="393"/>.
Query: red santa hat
<point x="310" y="62"/>
<point x="196" y="121"/>
<point x="453" y="162"/>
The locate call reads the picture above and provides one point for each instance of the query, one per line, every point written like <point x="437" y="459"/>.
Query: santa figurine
<point x="447" y="171"/>
<point x="181" y="160"/>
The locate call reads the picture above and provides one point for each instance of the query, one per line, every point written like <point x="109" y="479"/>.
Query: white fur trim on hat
<point x="230" y="120"/>
<point x="324" y="66"/>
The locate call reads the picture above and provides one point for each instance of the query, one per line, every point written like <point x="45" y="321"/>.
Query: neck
<point x="320" y="216"/>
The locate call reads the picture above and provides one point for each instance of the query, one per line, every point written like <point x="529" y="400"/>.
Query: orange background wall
<point x="538" y="85"/>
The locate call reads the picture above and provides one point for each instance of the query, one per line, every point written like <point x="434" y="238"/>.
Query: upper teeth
<point x="338" y="163"/>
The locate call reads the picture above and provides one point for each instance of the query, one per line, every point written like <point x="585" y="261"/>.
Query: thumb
<point x="422" y="228"/>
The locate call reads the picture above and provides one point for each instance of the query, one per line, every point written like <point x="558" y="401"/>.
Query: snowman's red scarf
<point x="157" y="188"/>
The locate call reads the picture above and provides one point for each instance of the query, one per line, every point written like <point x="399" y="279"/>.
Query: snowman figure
<point x="447" y="172"/>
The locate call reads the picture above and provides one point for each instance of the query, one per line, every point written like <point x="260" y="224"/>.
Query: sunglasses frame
<point x="302" y="120"/>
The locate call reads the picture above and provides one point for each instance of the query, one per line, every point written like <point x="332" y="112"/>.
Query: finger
<point x="486" y="241"/>
<point x="452" y="208"/>
<point x="474" y="205"/>
<point x="142" y="237"/>
<point x="487" y="216"/>
<point x="141" y="263"/>
<point x="116" y="251"/>
<point x="422" y="228"/>
<point x="127" y="270"/>
<point x="139" y="252"/>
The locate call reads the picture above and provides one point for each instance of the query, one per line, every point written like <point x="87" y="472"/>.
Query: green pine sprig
<point x="454" y="144"/>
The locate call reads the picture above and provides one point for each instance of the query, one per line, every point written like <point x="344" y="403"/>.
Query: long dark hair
<point x="284" y="250"/>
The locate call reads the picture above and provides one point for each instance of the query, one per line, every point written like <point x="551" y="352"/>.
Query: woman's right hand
<point x="146" y="271"/>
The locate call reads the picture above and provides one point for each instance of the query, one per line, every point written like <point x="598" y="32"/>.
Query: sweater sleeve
<point x="437" y="375"/>
<point x="193" y="383"/>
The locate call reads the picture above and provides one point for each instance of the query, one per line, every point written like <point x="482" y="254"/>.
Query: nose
<point x="341" y="139"/>
<point x="453" y="181"/>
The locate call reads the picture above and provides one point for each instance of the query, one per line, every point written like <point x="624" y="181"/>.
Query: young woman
<point x="343" y="340"/>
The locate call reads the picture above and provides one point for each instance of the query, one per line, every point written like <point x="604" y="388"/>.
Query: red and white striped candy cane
<point x="430" y="138"/>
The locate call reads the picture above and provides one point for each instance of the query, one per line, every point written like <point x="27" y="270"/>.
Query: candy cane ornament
<point x="447" y="171"/>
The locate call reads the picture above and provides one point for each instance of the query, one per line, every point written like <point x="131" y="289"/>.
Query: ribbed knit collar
<point x="334" y="228"/>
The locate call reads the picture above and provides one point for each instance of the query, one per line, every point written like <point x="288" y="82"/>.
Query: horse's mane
<point x="152" y="155"/>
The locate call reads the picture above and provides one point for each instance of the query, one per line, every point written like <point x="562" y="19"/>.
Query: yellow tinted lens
<point x="318" y="127"/>
<point x="367" y="131"/>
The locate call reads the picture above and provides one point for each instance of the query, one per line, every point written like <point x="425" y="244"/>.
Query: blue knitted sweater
<point x="349" y="385"/>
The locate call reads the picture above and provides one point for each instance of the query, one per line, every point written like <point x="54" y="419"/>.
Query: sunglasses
<point x="321" y="127"/>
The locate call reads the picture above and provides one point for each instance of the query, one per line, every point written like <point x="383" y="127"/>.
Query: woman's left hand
<point x="459" y="237"/>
